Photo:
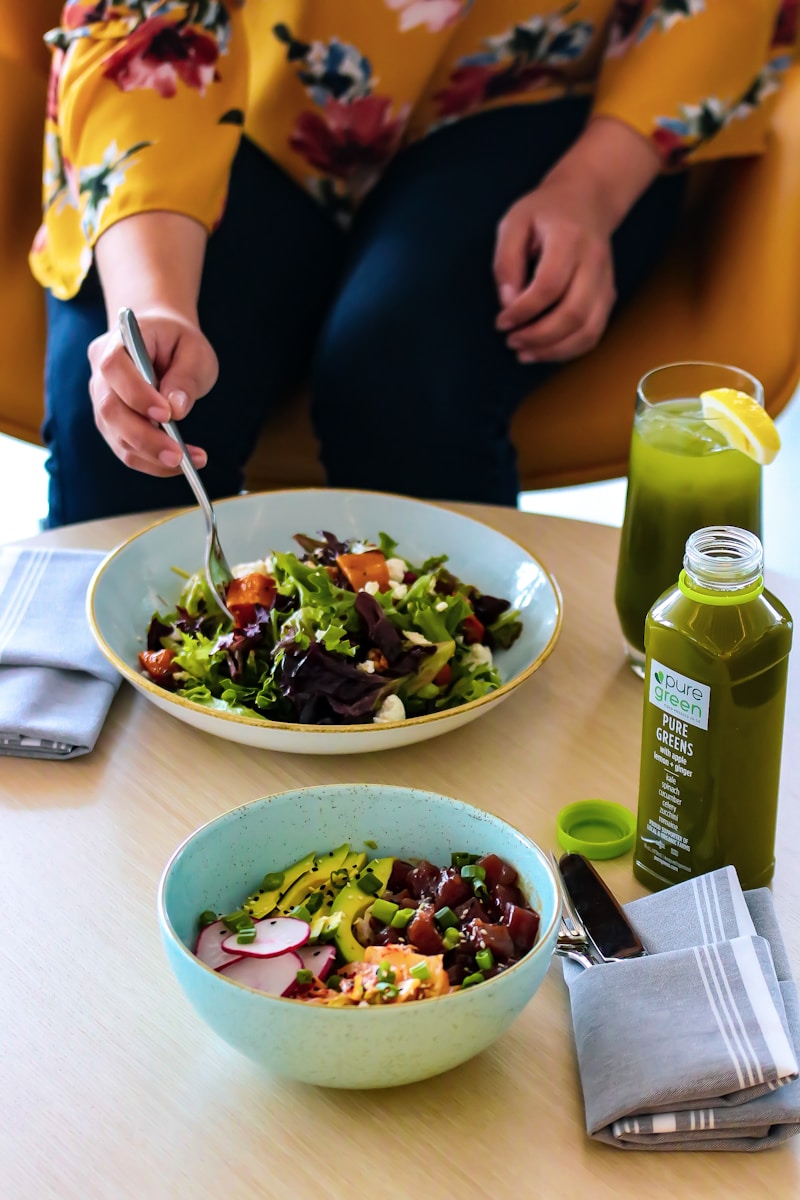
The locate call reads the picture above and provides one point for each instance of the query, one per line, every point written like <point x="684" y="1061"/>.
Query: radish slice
<point x="276" y="975"/>
<point x="210" y="950"/>
<point x="318" y="959"/>
<point x="274" y="935"/>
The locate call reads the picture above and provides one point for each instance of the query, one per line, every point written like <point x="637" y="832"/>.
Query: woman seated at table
<point x="420" y="206"/>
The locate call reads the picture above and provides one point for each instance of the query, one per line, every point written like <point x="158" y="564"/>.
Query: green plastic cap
<point x="596" y="828"/>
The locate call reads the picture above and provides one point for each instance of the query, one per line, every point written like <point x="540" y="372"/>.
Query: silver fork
<point x="218" y="573"/>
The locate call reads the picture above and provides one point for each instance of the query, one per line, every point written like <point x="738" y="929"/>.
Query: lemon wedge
<point x="744" y="423"/>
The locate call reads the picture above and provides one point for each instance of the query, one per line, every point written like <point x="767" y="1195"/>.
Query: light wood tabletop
<point x="111" y="1087"/>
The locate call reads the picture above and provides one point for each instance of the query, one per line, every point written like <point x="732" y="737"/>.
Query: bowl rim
<point x="140" y="681"/>
<point x="322" y="790"/>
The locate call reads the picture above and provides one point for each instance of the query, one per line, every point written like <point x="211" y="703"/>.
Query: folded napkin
<point x="55" y="685"/>
<point x="696" y="1045"/>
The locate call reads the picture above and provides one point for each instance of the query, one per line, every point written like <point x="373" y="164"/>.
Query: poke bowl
<point x="328" y="1033"/>
<point x="364" y="621"/>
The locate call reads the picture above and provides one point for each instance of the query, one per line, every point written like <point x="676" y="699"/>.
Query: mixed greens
<point x="342" y="633"/>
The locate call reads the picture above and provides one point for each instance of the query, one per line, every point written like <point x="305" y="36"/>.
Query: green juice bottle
<point x="717" y="648"/>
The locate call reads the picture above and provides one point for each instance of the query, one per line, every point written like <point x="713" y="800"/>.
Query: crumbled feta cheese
<point x="399" y="591"/>
<point x="441" y="606"/>
<point x="362" y="547"/>
<point x="259" y="567"/>
<point x="391" y="710"/>
<point x="371" y="586"/>
<point x="397" y="568"/>
<point x="367" y="666"/>
<point x="478" y="656"/>
<point x="411" y="635"/>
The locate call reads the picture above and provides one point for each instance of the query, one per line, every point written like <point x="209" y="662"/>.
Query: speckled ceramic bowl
<point x="137" y="579"/>
<point x="348" y="1048"/>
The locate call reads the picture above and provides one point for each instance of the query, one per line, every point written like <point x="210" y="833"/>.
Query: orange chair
<point x="729" y="290"/>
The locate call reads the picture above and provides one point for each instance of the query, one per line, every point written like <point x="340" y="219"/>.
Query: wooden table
<point x="111" y="1086"/>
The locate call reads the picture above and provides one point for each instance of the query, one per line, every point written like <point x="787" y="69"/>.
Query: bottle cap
<point x="596" y="828"/>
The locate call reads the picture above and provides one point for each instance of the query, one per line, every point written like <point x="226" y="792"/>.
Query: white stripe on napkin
<point x="665" y="1122"/>
<point x="721" y="1016"/>
<point x="709" y="913"/>
<point x="8" y="560"/>
<point x="16" y="604"/>
<point x="764" y="1007"/>
<point x="744" y="920"/>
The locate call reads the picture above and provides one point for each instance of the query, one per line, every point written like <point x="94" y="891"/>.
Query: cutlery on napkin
<point x="694" y="1046"/>
<point x="55" y="685"/>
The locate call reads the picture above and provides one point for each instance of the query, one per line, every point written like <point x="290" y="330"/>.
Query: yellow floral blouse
<point x="149" y="98"/>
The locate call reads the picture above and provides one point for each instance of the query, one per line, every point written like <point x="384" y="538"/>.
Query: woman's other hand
<point x="562" y="232"/>
<point x="152" y="264"/>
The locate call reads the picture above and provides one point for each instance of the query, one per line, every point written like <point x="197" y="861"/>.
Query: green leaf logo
<point x="660" y="676"/>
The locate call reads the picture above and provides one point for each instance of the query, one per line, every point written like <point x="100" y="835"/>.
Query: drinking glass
<point x="683" y="475"/>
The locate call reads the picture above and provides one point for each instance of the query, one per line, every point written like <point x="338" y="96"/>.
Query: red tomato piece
<point x="472" y="630"/>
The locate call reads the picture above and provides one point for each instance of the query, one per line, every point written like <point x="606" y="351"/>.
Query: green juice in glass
<point x="683" y="476"/>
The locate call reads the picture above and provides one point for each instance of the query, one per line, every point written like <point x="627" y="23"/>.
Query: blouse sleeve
<point x="145" y="112"/>
<point x="696" y="76"/>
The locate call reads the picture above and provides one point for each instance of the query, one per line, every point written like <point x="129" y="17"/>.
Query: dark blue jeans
<point x="413" y="390"/>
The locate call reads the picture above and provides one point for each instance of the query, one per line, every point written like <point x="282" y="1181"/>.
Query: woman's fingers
<point x="558" y="261"/>
<point x="590" y="293"/>
<point x="128" y="410"/>
<point x="574" y="344"/>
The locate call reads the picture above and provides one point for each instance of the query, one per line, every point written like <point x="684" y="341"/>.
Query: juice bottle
<point x="683" y="475"/>
<point x="717" y="648"/>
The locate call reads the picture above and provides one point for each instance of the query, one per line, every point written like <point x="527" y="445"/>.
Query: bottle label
<point x="679" y="695"/>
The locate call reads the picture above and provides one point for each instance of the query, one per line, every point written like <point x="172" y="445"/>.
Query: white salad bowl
<point x="137" y="579"/>
<point x="219" y="864"/>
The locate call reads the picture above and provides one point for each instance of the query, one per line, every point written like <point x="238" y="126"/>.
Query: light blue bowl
<point x="338" y="1047"/>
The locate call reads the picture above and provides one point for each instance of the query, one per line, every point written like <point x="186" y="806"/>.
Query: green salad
<point x="339" y="633"/>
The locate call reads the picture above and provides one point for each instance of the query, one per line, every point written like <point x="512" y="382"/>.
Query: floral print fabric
<point x="148" y="98"/>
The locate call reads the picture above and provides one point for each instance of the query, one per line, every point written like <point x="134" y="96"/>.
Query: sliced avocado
<point x="430" y="666"/>
<point x="260" y="904"/>
<point x="312" y="880"/>
<point x="352" y="902"/>
<point x="351" y="865"/>
<point x="354" y="862"/>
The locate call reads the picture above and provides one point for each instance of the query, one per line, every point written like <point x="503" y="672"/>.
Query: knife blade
<point x="599" y="910"/>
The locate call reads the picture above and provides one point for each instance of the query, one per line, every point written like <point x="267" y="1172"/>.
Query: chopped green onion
<point x="369" y="883"/>
<point x="485" y="959"/>
<point x="313" y="902"/>
<point x="207" y="917"/>
<point x="334" y="981"/>
<point x="340" y="878"/>
<point x="384" y="910"/>
<point x="446" y="918"/>
<point x="420" y="971"/>
<point x="369" y="842"/>
<point x="301" y="913"/>
<point x="460" y="858"/>
<point x="386" y="973"/>
<point x="388" y="991"/>
<point x="273" y="881"/>
<point x="237" y="921"/>
<point x="480" y="889"/>
<point x="246" y="937"/>
<point x="473" y="871"/>
<point x="403" y="917"/>
<point x="451" y="937"/>
<point x="471" y="980"/>
<point x="304" y="975"/>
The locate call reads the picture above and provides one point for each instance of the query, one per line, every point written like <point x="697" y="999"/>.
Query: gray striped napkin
<point x="696" y="1045"/>
<point x="55" y="685"/>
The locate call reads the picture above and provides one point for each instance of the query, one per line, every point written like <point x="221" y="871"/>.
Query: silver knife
<point x="596" y="927"/>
